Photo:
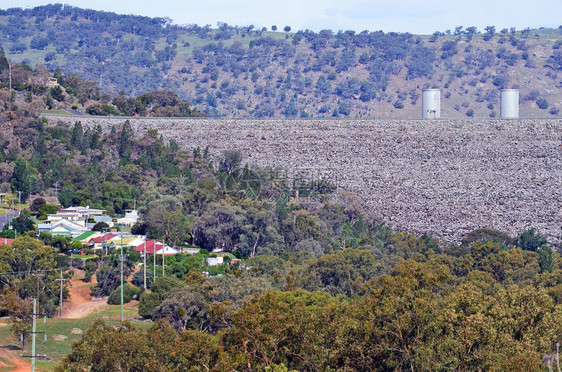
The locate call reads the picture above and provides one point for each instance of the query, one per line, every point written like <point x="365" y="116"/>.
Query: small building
<point x="52" y="82"/>
<point x="85" y="237"/>
<point x="190" y="251"/>
<point x="62" y="228"/>
<point x="155" y="246"/>
<point x="80" y="215"/>
<point x="107" y="219"/>
<point x="136" y="241"/>
<point x="49" y="82"/>
<point x="131" y="217"/>
<point x="127" y="240"/>
<point x="86" y="211"/>
<point x="215" y="261"/>
<point x="101" y="241"/>
<point x="73" y="217"/>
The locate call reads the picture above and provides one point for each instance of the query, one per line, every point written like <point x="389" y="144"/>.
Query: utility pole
<point x="163" y="259"/>
<point x="5" y="217"/>
<point x="33" y="334"/>
<point x="38" y="276"/>
<point x="122" y="259"/>
<point x="61" y="280"/>
<point x="19" y="203"/>
<point x="104" y="244"/>
<point x="154" y="257"/>
<point x="144" y="264"/>
<point x="12" y="205"/>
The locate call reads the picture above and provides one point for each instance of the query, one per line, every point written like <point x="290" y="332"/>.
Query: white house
<point x="80" y="215"/>
<point x="62" y="227"/>
<point x="214" y="261"/>
<point x="130" y="218"/>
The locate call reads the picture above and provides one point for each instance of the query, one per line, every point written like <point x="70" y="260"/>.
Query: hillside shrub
<point x="542" y="103"/>
<point x="148" y="303"/>
<point x="129" y="293"/>
<point x="530" y="241"/>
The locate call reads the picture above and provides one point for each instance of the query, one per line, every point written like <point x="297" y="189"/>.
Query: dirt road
<point x="81" y="304"/>
<point x="12" y="355"/>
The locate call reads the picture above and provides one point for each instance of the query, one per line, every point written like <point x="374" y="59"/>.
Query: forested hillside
<point x="242" y="71"/>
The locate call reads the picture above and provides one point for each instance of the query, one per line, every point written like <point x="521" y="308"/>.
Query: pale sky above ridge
<point x="414" y="16"/>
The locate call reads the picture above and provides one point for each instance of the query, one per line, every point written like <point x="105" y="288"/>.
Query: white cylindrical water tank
<point x="431" y="104"/>
<point x="509" y="103"/>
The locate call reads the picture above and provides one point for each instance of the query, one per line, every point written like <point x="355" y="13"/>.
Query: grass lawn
<point x="83" y="256"/>
<point x="53" y="327"/>
<point x="60" y="112"/>
<point x="9" y="365"/>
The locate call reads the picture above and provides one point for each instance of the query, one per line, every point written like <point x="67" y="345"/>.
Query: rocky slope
<point x="445" y="177"/>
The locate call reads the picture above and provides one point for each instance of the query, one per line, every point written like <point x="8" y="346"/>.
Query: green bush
<point x="77" y="245"/>
<point x="62" y="260"/>
<point x="8" y="234"/>
<point x="129" y="293"/>
<point x="90" y="267"/>
<point x="147" y="303"/>
<point x="162" y="285"/>
<point x="530" y="241"/>
<point x="46" y="209"/>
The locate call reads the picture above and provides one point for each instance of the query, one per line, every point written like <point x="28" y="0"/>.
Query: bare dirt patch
<point x="81" y="303"/>
<point x="11" y="356"/>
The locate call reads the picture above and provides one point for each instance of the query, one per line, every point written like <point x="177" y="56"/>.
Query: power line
<point x="179" y="285"/>
<point x="34" y="271"/>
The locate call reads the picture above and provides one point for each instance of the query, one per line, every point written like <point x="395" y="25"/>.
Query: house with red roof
<point x="100" y="241"/>
<point x="6" y="241"/>
<point x="155" y="246"/>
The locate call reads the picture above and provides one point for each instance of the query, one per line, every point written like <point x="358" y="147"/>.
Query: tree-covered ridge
<point x="244" y="71"/>
<point x="29" y="90"/>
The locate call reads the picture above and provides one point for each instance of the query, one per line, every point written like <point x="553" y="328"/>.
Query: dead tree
<point x="549" y="358"/>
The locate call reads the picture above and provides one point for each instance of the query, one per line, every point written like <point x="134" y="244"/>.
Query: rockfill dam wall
<point x="444" y="177"/>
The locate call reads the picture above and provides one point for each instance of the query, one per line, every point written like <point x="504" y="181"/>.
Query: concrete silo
<point x="431" y="104"/>
<point x="509" y="103"/>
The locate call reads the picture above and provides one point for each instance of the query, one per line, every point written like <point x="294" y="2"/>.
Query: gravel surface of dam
<point x="444" y="177"/>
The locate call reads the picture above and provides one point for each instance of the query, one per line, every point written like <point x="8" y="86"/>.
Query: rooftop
<point x="83" y="236"/>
